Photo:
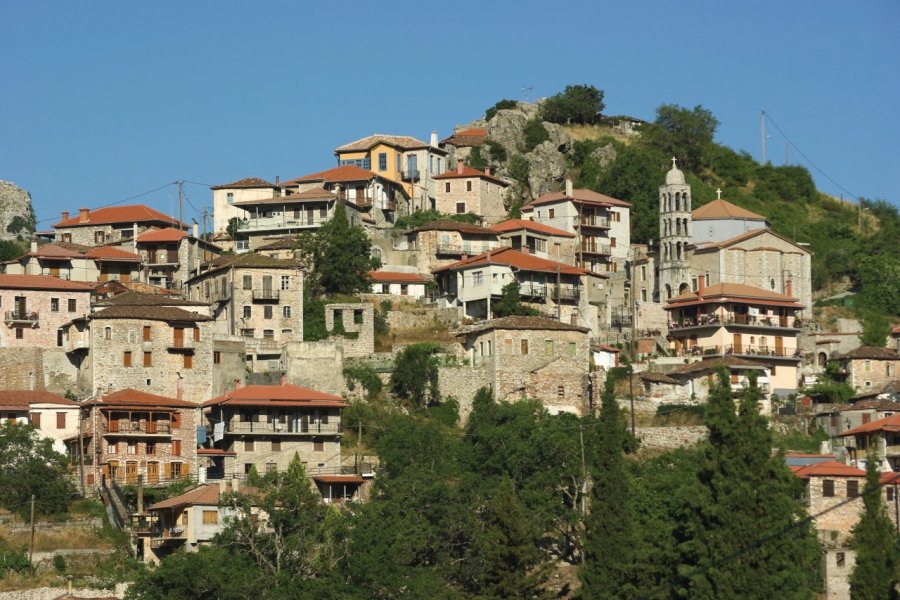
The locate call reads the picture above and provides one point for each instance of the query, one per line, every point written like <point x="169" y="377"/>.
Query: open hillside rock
<point x="17" y="218"/>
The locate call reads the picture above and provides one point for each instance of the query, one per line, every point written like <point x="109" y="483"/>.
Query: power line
<point x="121" y="201"/>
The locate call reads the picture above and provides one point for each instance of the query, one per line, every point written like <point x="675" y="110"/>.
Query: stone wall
<point x="39" y="369"/>
<point x="229" y="365"/>
<point x="424" y="317"/>
<point x="356" y="318"/>
<point x="668" y="438"/>
<point x="463" y="382"/>
<point x="15" y="202"/>
<point x="316" y="365"/>
<point x="871" y="374"/>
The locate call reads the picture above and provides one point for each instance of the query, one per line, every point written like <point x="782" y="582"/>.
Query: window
<point x="176" y="474"/>
<point x="866" y="418"/>
<point x="612" y="242"/>
<point x="107" y="333"/>
<point x="176" y="420"/>
<point x="20" y="333"/>
<point x="176" y="447"/>
<point x="868" y="365"/>
<point x="217" y="357"/>
<point x="889" y="491"/>
<point x="248" y="282"/>
<point x="840" y="559"/>
<point x="210" y="517"/>
<point x="126" y="358"/>
<point x="570" y="348"/>
<point x="271" y="467"/>
<point x="469" y="185"/>
<point x="460" y="208"/>
<point x="267" y="312"/>
<point x="828" y="488"/>
<point x="561" y="391"/>
<point x="382" y="161"/>
<point x="248" y="445"/>
<point x="99" y="237"/>
<point x="132" y="448"/>
<point x="852" y="489"/>
<point x="67" y="237"/>
<point x="477" y="278"/>
<point x="447" y="187"/>
<point x="248" y="311"/>
<point x="318" y="446"/>
<point x="247" y="332"/>
<point x="112" y="448"/>
<point x="285" y="282"/>
<point x="551" y="213"/>
<point x="269" y="334"/>
<point x="36" y="420"/>
<point x="73" y="305"/>
<point x="148" y="359"/>
<point x="230" y="197"/>
<point x="150" y="448"/>
<point x="548" y="347"/>
<point x="60" y="420"/>
<point x="54" y="304"/>
<point x="188" y="361"/>
<point x="523" y="346"/>
<point x="286" y="311"/>
<point x="146" y="333"/>
<point x="276" y="445"/>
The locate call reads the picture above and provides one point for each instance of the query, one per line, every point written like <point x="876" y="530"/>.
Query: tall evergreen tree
<point x="745" y="532"/>
<point x="343" y="255"/>
<point x="877" y="570"/>
<point x="609" y="534"/>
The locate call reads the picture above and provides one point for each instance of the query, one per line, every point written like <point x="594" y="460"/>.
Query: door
<point x="21" y="307"/>
<point x="131" y="471"/>
<point x="153" y="472"/>
<point x="54" y="271"/>
<point x="738" y="346"/>
<point x="267" y="285"/>
<point x="779" y="346"/>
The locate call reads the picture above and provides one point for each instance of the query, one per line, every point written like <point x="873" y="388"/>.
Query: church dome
<point x="674" y="176"/>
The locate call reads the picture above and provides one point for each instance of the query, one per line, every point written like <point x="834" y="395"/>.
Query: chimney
<point x="65" y="215"/>
<point x="701" y="285"/>
<point x="197" y="230"/>
<point x="34" y="245"/>
<point x="459" y="166"/>
<point x="179" y="391"/>
<point x="284" y="380"/>
<point x="789" y="288"/>
<point x="237" y="384"/>
<point x="434" y="139"/>
<point x="487" y="171"/>
<point x="83" y="214"/>
<point x="134" y="237"/>
<point x="277" y="180"/>
<point x="569" y="191"/>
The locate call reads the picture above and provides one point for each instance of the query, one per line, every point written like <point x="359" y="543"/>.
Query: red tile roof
<point x="474" y="136"/>
<point x="41" y="282"/>
<point x="513" y="258"/>
<point x="168" y="234"/>
<point x="205" y="495"/>
<point x="149" y="313"/>
<point x="136" y="213"/>
<point x="723" y="209"/>
<point x="282" y="395"/>
<point x="60" y="251"/>
<point x="395" y="277"/>
<point x="131" y="397"/>
<point x="25" y="398"/>
<point x="517" y="224"/>
<point x="580" y="195"/>
<point x="468" y="172"/>
<point x="724" y="292"/>
<point x="451" y="225"/>
<point x="891" y="424"/>
<point x="104" y="253"/>
<point x="339" y="478"/>
<point x="247" y="183"/>
<point x="889" y="477"/>
<point x="828" y="468"/>
<point x="313" y="194"/>
<point x="215" y="452"/>
<point x="337" y="174"/>
<point x="746" y="236"/>
<point x="871" y="353"/>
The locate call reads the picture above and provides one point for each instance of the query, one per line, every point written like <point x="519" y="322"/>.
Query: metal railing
<point x="22" y="316"/>
<point x="289" y="428"/>
<point x="603" y="249"/>
<point x="266" y="294"/>
<point x="602" y="222"/>
<point x="733" y="319"/>
<point x="743" y="350"/>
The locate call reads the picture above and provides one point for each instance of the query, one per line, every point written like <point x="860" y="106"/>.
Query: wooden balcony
<point x="122" y="427"/>
<point x="286" y="429"/>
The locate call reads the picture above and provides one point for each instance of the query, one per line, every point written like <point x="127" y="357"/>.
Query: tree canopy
<point x="32" y="467"/>
<point x="576" y="104"/>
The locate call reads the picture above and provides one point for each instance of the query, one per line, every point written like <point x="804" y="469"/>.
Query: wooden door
<point x="738" y="346"/>
<point x="779" y="346"/>
<point x="153" y="472"/>
<point x="131" y="472"/>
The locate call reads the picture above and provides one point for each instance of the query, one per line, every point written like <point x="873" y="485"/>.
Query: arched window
<point x="678" y="226"/>
<point x="823" y="359"/>
<point x="677" y="201"/>
<point x="668" y="291"/>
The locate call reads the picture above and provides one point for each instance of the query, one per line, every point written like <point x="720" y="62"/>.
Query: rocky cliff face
<point x="17" y="220"/>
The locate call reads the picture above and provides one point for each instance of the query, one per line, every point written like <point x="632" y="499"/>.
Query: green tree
<point x="879" y="282"/>
<point x="11" y="249"/>
<point x="234" y="224"/>
<point x="535" y="133"/>
<point x="345" y="257"/>
<point x="32" y="467"/>
<point x="415" y="375"/>
<point x="682" y="132"/>
<point x="877" y="571"/>
<point x="609" y="536"/>
<point x="495" y="151"/>
<point x="211" y="572"/>
<point x="501" y="105"/>
<point x="876" y="329"/>
<point x="475" y="160"/>
<point x="744" y="531"/>
<point x="635" y="176"/>
<point x="510" y="302"/>
<point x="576" y="104"/>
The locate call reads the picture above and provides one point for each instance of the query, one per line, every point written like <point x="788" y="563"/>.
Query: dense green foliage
<point x="30" y="466"/>
<point x="876" y="328"/>
<point x="364" y="376"/>
<point x="684" y="133"/>
<point x="18" y="223"/>
<point x="415" y="375"/>
<point x="503" y="104"/>
<point x="877" y="571"/>
<point x="535" y="133"/>
<point x="510" y="303"/>
<point x="10" y="249"/>
<point x="576" y="104"/>
<point x="423" y="217"/>
<point x="12" y="559"/>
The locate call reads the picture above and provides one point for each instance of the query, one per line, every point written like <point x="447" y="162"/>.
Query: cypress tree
<point x="345" y="255"/>
<point x="609" y="533"/>
<point x="875" y="540"/>
<point x="745" y="532"/>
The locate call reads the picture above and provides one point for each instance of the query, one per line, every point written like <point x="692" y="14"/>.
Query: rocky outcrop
<point x="604" y="155"/>
<point x="546" y="168"/>
<point x="17" y="219"/>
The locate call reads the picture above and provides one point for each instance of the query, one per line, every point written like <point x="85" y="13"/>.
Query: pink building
<point x="36" y="306"/>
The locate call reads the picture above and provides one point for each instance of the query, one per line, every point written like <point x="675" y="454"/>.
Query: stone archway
<point x="684" y="288"/>
<point x="822" y="359"/>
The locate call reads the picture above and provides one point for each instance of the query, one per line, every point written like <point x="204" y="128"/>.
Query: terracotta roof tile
<point x="521" y="323"/>
<point x="247" y="183"/>
<point x="722" y="292"/>
<point x="205" y="495"/>
<point x="136" y="213"/>
<point x="654" y="377"/>
<point x="168" y="234"/>
<point x="871" y="353"/>
<point x="723" y="209"/>
<point x="517" y="224"/>
<point x="746" y="236"/>
<point x="468" y="172"/>
<point x="103" y="253"/>
<point x="828" y="468"/>
<point x="248" y="260"/>
<point x="399" y="141"/>
<point x="149" y="313"/>
<point x="514" y="258"/>
<point x="145" y="299"/>
<point x="450" y="225"/>
<point x="395" y="277"/>
<point x="276" y="394"/>
<point x="41" y="282"/>
<point x="891" y="424"/>
<point x="131" y="397"/>
<point x="304" y="196"/>
<point x="25" y="398"/>
<point x="339" y="478"/>
<point x="580" y="195"/>
<point x="335" y="175"/>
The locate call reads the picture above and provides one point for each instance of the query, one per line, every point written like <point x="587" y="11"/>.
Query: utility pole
<point x="358" y="442"/>
<point x="81" y="449"/>
<point x="631" y="300"/>
<point x="583" y="473"/>
<point x="31" y="547"/>
<point x="180" y="203"/>
<point x="762" y="124"/>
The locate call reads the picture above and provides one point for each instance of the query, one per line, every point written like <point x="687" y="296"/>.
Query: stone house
<point x="54" y="416"/>
<point x="284" y="248"/>
<point x="868" y="368"/>
<point x="444" y="242"/>
<point x="163" y="350"/>
<point x="405" y="160"/>
<point x="394" y="283"/>
<point x="226" y="194"/>
<point x="840" y="418"/>
<point x="602" y="225"/>
<point x="882" y="434"/>
<point x="536" y="238"/>
<point x="605" y="356"/>
<point x="556" y="290"/>
<point x="257" y="298"/>
<point x="110" y="224"/>
<point x="690" y="383"/>
<point x="170" y="256"/>
<point x="730" y="319"/>
<point x="35" y="308"/>
<point x="264" y="426"/>
<point x="531" y="357"/>
<point x="460" y="144"/>
<point x="467" y="190"/>
<point x="130" y="433"/>
<point x="77" y="263"/>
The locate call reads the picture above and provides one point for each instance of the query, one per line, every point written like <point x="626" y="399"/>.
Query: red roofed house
<point x="731" y="319"/>
<point x="444" y="242"/>
<point x="78" y="263"/>
<point x="462" y="142"/>
<point x="110" y="224"/>
<point x="171" y="256"/>
<point x="52" y="415"/>
<point x="869" y="368"/>
<point x="539" y="239"/>
<point x="395" y="283"/>
<point x="601" y="223"/>
<point x="35" y="308"/>
<point x="467" y="190"/>
<point x="883" y="434"/>
<point x="355" y="185"/>
<point x="226" y="194"/>
<point x="129" y="433"/>
<point x="263" y="426"/>
<point x="557" y="290"/>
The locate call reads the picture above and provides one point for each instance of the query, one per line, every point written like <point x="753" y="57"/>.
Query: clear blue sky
<point x="104" y="100"/>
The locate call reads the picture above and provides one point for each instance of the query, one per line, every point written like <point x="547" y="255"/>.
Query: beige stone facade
<point x="170" y="257"/>
<point x="226" y="194"/>
<point x="870" y="369"/>
<point x="110" y="224"/>
<point x="35" y="308"/>
<point x="77" y="263"/>
<point x="467" y="190"/>
<point x="442" y="243"/>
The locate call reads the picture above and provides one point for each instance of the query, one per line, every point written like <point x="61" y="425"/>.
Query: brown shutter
<point x="168" y="471"/>
<point x="60" y="420"/>
<point x="36" y="420"/>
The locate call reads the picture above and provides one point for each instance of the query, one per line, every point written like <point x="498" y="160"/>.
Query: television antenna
<point x="525" y="92"/>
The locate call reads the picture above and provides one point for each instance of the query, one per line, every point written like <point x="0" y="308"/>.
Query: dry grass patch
<point x="70" y="538"/>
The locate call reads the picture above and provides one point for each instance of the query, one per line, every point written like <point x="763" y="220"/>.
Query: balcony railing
<point x="743" y="350"/>
<point x="22" y="316"/>
<point x="738" y="387"/>
<point x="564" y="293"/>
<point x="450" y="250"/>
<point x="266" y="223"/>
<point x="290" y="428"/>
<point x="410" y="175"/>
<point x="532" y="290"/>
<point x="599" y="222"/>
<point x="266" y="294"/>
<point x="731" y="319"/>
<point x="601" y="249"/>
<point x="139" y="427"/>
<point x="181" y="344"/>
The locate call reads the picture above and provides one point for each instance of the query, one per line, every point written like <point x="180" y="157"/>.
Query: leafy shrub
<point x="503" y="104"/>
<point x="535" y="133"/>
<point x="576" y="104"/>
<point x="363" y="375"/>
<point x="12" y="559"/>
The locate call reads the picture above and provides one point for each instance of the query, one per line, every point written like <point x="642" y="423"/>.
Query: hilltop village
<point x="153" y="352"/>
